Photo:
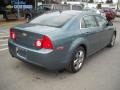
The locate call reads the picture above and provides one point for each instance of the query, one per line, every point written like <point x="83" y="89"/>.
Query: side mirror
<point x="109" y="23"/>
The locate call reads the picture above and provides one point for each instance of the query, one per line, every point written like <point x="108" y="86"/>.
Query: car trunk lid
<point x="26" y="35"/>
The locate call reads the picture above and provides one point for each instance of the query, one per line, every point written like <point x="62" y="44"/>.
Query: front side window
<point x="101" y="21"/>
<point x="90" y="21"/>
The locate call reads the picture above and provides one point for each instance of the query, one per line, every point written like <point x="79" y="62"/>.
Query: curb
<point x="9" y="25"/>
<point x="12" y="23"/>
<point x="5" y="23"/>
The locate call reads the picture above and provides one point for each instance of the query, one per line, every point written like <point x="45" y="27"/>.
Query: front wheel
<point x="28" y="18"/>
<point x="76" y="60"/>
<point x="112" y="42"/>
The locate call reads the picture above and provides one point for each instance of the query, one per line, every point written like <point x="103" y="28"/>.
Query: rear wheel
<point x="76" y="60"/>
<point x="112" y="42"/>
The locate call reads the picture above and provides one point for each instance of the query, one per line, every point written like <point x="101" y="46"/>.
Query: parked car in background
<point x="118" y="12"/>
<point x="97" y="11"/>
<point x="2" y="11"/>
<point x="31" y="13"/>
<point x="61" y="39"/>
<point x="110" y="14"/>
<point x="8" y="12"/>
<point x="46" y="8"/>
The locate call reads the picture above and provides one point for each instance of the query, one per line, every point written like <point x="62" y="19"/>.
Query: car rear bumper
<point x="50" y="59"/>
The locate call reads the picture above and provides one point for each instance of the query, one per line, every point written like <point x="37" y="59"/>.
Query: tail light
<point x="44" y="42"/>
<point x="12" y="34"/>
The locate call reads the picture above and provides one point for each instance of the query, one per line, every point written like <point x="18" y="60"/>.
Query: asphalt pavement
<point x="4" y="32"/>
<point x="101" y="71"/>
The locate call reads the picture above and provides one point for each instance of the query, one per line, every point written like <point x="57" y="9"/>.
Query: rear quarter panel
<point x="68" y="37"/>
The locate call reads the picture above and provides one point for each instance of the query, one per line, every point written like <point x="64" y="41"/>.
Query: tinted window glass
<point x="54" y="19"/>
<point x="90" y="21"/>
<point x="101" y="21"/>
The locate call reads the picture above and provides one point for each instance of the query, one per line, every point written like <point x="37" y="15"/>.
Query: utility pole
<point x="118" y="5"/>
<point x="18" y="10"/>
<point x="87" y="3"/>
<point x="35" y="4"/>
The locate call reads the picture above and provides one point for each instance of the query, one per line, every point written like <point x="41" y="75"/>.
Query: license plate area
<point x="22" y="53"/>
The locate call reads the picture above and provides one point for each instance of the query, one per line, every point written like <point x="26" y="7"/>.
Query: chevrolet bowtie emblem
<point x="24" y="34"/>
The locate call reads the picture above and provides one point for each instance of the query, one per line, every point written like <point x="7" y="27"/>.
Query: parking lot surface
<point x="101" y="71"/>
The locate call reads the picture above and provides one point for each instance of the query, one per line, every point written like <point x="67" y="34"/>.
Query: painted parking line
<point x="2" y="33"/>
<point x="3" y="45"/>
<point x="7" y="26"/>
<point x="3" y="49"/>
<point x="4" y="36"/>
<point x="3" y="40"/>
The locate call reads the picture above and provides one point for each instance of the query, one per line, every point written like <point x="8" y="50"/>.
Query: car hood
<point x="36" y="28"/>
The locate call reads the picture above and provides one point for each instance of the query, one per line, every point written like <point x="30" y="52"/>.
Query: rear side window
<point x="90" y="21"/>
<point x="83" y="23"/>
<point x="101" y="21"/>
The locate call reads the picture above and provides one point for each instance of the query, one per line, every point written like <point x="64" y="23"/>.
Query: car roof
<point x="72" y="12"/>
<point x="76" y="12"/>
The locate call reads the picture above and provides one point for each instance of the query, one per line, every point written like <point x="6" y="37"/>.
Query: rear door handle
<point x="91" y="32"/>
<point x="88" y="32"/>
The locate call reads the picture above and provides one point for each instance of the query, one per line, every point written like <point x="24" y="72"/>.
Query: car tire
<point x="112" y="41"/>
<point x="28" y="17"/>
<point x="77" y="60"/>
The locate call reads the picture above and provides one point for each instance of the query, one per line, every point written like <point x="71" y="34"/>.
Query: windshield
<point x="53" y="20"/>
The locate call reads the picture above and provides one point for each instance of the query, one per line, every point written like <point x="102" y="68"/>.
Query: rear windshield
<point x="53" y="20"/>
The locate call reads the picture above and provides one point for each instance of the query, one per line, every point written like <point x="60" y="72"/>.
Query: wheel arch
<point x="85" y="48"/>
<point x="68" y="65"/>
<point x="115" y="33"/>
<point x="77" y="43"/>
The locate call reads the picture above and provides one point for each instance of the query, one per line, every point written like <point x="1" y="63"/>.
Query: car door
<point x="89" y="29"/>
<point x="105" y="31"/>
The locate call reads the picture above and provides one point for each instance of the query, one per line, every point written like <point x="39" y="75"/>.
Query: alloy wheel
<point x="113" y="40"/>
<point x="78" y="60"/>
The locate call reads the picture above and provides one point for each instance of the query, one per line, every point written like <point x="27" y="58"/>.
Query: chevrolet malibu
<point x="61" y="39"/>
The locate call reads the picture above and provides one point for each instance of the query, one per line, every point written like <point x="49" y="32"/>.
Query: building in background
<point x="94" y="1"/>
